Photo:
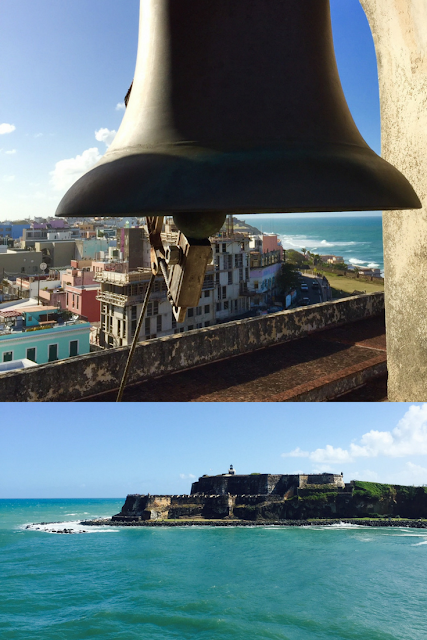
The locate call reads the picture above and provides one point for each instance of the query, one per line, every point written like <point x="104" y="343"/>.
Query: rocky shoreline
<point x="416" y="524"/>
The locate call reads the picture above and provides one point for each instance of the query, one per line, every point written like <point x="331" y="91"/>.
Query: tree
<point x="287" y="278"/>
<point x="295" y="257"/>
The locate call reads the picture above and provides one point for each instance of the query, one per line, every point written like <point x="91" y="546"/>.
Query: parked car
<point x="315" y="284"/>
<point x="304" y="287"/>
<point x="305" y="302"/>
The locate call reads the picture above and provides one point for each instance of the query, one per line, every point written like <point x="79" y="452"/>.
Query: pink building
<point x="53" y="298"/>
<point x="81" y="300"/>
<point x="272" y="243"/>
<point x="75" y="277"/>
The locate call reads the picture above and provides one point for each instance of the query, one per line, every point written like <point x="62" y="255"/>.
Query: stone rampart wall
<point x="94" y="373"/>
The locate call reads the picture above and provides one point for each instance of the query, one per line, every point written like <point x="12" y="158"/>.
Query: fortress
<point x="234" y="496"/>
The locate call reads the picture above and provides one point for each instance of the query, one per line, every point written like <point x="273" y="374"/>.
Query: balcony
<point x="122" y="279"/>
<point x="112" y="298"/>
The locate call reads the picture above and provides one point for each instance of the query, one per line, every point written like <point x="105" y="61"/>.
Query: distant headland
<point x="260" y="498"/>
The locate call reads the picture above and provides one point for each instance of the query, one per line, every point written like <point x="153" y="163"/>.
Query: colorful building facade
<point x="38" y="334"/>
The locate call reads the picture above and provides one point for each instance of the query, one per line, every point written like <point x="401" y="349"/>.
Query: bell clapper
<point x="183" y="266"/>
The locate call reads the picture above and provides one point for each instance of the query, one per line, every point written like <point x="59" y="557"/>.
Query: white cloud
<point x="296" y="453"/>
<point x="415" y="473"/>
<point x="10" y="152"/>
<point x="6" y="128"/>
<point x="330" y="454"/>
<point x="367" y="475"/>
<point x="408" y="438"/>
<point x="105" y="135"/>
<point x="120" y="106"/>
<point x="66" y="172"/>
<point x="188" y="476"/>
<point x="8" y="178"/>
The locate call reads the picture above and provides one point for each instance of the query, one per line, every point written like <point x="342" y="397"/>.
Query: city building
<point x="44" y="232"/>
<point x="31" y="286"/>
<point x="13" y="230"/>
<point x="231" y="263"/>
<point x="330" y="259"/>
<point x="83" y="300"/>
<point x="92" y="248"/>
<point x="39" y="334"/>
<point x="14" y="262"/>
<point x="121" y="297"/>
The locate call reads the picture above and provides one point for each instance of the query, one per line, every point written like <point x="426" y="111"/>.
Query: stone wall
<point x="260" y="484"/>
<point x="319" y="502"/>
<point x="399" y="28"/>
<point x="94" y="373"/>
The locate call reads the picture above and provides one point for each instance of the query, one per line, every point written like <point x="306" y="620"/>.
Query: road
<point x="322" y="293"/>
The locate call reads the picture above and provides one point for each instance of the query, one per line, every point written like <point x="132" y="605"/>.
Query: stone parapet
<point x="100" y="372"/>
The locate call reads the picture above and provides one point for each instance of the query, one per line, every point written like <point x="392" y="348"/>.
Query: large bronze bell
<point x="236" y="107"/>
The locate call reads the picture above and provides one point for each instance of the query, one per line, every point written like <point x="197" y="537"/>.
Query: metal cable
<point x="135" y="338"/>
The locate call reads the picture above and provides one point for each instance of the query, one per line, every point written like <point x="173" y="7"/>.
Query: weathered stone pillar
<point x="399" y="28"/>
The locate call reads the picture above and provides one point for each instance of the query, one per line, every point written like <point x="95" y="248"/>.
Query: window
<point x="219" y="306"/>
<point x="159" y="323"/>
<point x="224" y="247"/>
<point x="235" y="305"/>
<point x="31" y="354"/>
<point x="190" y="312"/>
<point x="240" y="275"/>
<point x="230" y="277"/>
<point x="199" y="325"/>
<point x="198" y="311"/>
<point x="217" y="247"/>
<point x="52" y="352"/>
<point x="207" y="308"/>
<point x="238" y="260"/>
<point x="228" y="262"/>
<point x="207" y="323"/>
<point x="225" y="305"/>
<point x="74" y="348"/>
<point x="224" y="292"/>
<point x="207" y="294"/>
<point x="147" y="326"/>
<point x="190" y="327"/>
<point x="133" y="313"/>
<point x="133" y="326"/>
<point x="256" y="284"/>
<point x="173" y="321"/>
<point x="153" y="308"/>
<point x="217" y="279"/>
<point x="8" y="356"/>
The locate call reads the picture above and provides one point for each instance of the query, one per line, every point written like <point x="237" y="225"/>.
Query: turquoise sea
<point x="275" y="583"/>
<point x="357" y="238"/>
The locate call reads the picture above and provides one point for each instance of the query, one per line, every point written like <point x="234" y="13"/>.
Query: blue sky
<point x="109" y="450"/>
<point x="67" y="65"/>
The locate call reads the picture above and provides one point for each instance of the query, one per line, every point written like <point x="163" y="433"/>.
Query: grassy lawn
<point x="348" y="285"/>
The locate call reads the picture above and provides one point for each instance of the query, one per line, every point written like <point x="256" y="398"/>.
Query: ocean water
<point x="275" y="583"/>
<point x="357" y="238"/>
